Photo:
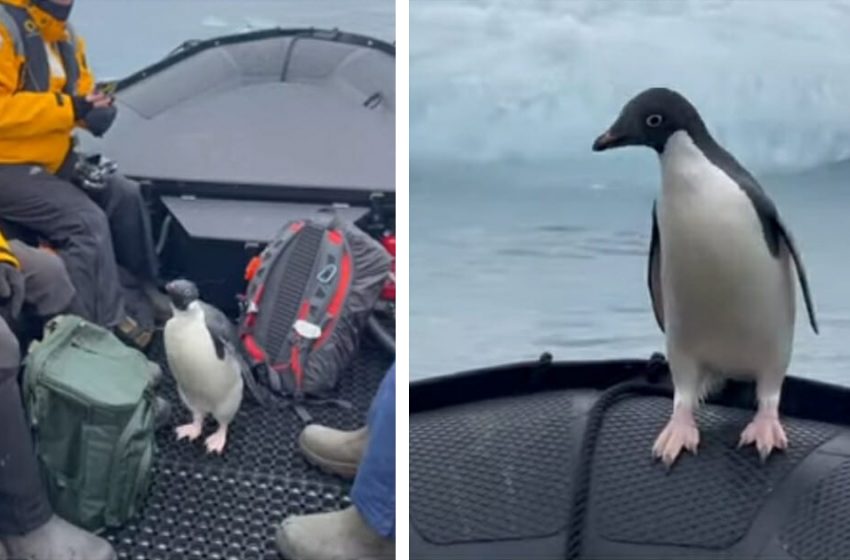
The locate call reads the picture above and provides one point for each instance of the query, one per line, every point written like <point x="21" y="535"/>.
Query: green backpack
<point x="90" y="401"/>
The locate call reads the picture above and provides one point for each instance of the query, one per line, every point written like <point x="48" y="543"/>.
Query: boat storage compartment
<point x="212" y="240"/>
<point x="249" y="221"/>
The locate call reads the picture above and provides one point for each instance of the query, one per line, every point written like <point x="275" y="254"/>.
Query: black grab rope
<point x="581" y="476"/>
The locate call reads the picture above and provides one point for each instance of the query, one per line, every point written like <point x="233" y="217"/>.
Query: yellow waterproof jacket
<point x="36" y="126"/>
<point x="6" y="254"/>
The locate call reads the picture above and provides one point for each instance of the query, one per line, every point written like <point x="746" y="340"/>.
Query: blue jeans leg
<point x="373" y="492"/>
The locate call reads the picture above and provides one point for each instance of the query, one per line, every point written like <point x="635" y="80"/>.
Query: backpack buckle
<point x="307" y="330"/>
<point x="327" y="274"/>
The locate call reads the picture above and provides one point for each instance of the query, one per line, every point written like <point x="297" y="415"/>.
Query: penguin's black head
<point x="182" y="293"/>
<point x="649" y="119"/>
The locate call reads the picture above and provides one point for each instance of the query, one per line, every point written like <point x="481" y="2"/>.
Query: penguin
<point x="720" y="271"/>
<point x="201" y="346"/>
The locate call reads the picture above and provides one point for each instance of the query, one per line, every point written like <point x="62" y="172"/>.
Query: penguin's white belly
<point x="204" y="380"/>
<point x="728" y="302"/>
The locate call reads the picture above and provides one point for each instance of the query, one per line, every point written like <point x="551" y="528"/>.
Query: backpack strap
<point x="31" y="46"/>
<point x="319" y="311"/>
<point x="124" y="488"/>
<point x="346" y="271"/>
<point x="255" y="292"/>
<point x="68" y="54"/>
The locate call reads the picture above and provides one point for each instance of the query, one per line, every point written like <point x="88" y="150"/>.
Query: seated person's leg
<point x="132" y="236"/>
<point x="374" y="487"/>
<point x="23" y="502"/>
<point x="367" y="528"/>
<point x="49" y="289"/>
<point x="122" y="201"/>
<point x="76" y="227"/>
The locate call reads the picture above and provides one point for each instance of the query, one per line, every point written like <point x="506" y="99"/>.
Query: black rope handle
<point x="652" y="386"/>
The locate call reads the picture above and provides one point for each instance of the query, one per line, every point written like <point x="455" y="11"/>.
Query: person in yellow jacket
<point x="28" y="526"/>
<point x="47" y="90"/>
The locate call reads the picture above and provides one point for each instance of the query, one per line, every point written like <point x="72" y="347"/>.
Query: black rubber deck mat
<point x="209" y="507"/>
<point x="706" y="501"/>
<point x="492" y="470"/>
<point x="819" y="528"/>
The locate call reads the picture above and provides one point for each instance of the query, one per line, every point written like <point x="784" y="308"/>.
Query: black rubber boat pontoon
<point x="232" y="138"/>
<point x="552" y="460"/>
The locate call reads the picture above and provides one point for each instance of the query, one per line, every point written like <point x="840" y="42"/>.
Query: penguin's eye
<point x="654" y="120"/>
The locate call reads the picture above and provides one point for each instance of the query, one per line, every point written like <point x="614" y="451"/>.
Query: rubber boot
<point x="336" y="535"/>
<point x="133" y="334"/>
<point x="58" y="540"/>
<point x="335" y="451"/>
<point x="162" y="413"/>
<point x="156" y="372"/>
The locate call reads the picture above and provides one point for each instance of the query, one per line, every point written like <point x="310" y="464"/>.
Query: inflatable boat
<point x="232" y="138"/>
<point x="552" y="460"/>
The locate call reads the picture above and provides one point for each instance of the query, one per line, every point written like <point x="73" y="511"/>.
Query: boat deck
<point x="227" y="507"/>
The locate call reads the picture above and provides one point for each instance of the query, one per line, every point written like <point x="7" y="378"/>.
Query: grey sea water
<point x="506" y="266"/>
<point x="524" y="241"/>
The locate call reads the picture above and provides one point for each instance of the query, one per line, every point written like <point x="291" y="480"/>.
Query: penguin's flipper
<point x="218" y="343"/>
<point x="654" y="272"/>
<point x="259" y="394"/>
<point x="785" y="236"/>
<point x="774" y="230"/>
<point x="226" y="340"/>
<point x="221" y="330"/>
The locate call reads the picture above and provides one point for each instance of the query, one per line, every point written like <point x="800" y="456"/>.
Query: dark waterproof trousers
<point x="92" y="233"/>
<point x="47" y="291"/>
<point x="23" y="499"/>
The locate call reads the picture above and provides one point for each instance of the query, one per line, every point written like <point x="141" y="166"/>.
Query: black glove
<point x="12" y="288"/>
<point x="96" y="119"/>
<point x="82" y="106"/>
<point x="99" y="119"/>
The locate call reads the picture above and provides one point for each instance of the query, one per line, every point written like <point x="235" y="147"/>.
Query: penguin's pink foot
<point x="766" y="433"/>
<point x="215" y="443"/>
<point x="680" y="433"/>
<point x="191" y="431"/>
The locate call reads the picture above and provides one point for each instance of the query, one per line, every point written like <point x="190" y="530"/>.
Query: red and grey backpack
<point x="309" y="295"/>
